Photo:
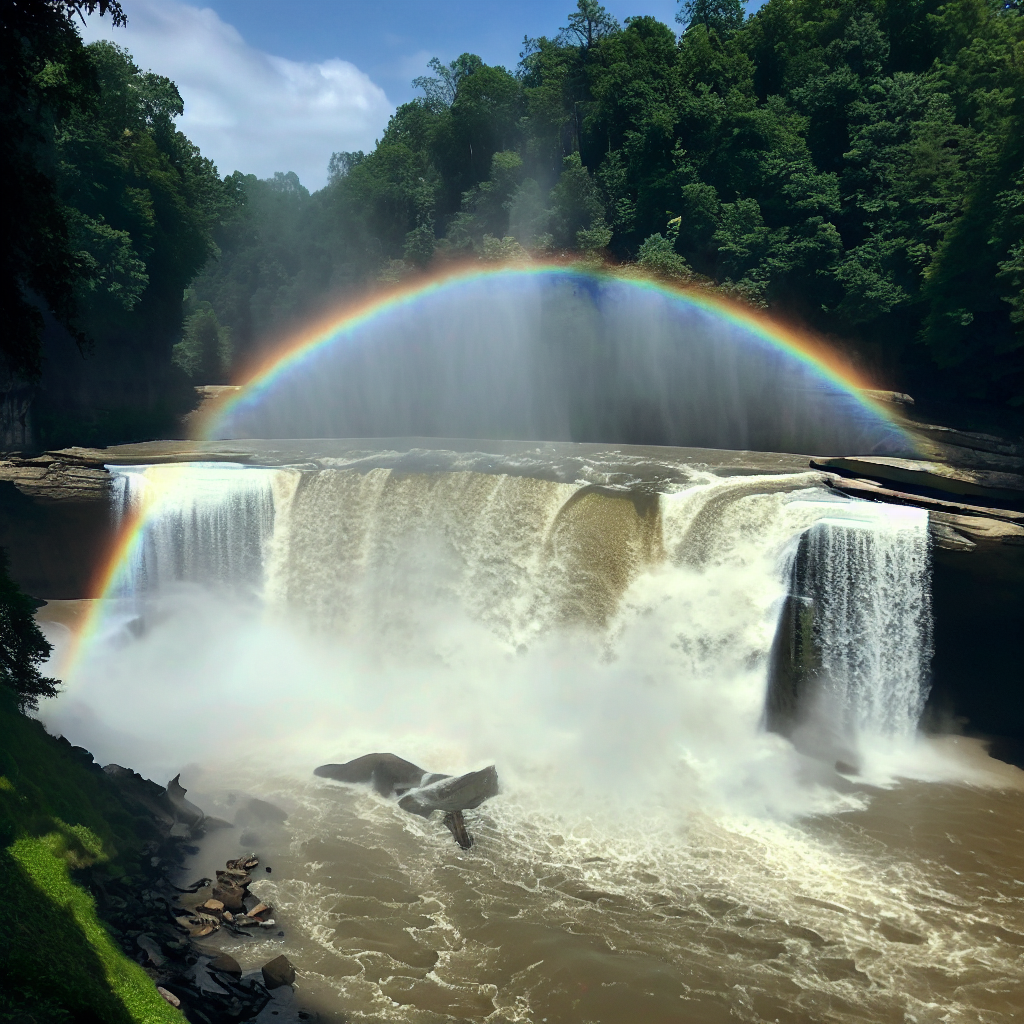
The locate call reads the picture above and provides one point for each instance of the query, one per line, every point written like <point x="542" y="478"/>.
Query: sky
<point x="271" y="86"/>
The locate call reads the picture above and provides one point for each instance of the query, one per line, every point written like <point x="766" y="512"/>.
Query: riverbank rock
<point x="169" y="997"/>
<point x="231" y="897"/>
<point x="184" y="810"/>
<point x="225" y="963"/>
<point x="278" y="972"/>
<point x="55" y="478"/>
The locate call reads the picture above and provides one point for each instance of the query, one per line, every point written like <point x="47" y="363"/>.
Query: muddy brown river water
<point x="908" y="908"/>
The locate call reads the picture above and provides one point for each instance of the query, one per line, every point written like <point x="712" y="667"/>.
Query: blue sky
<point x="391" y="40"/>
<point x="277" y="87"/>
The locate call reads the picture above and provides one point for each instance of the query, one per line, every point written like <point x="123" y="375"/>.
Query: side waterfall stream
<point x="655" y="854"/>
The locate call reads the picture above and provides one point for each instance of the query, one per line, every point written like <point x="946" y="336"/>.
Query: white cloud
<point x="248" y="110"/>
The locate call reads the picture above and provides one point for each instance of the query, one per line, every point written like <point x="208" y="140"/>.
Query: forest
<point x="854" y="166"/>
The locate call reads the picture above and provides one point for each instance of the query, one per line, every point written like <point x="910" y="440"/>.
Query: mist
<point x="560" y="357"/>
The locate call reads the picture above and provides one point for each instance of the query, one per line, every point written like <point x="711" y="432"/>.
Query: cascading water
<point x="852" y="654"/>
<point x="205" y="523"/>
<point x="869" y="580"/>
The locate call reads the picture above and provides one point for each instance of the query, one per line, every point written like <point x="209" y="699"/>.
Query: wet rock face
<point x="978" y="611"/>
<point x="184" y="810"/>
<point x="978" y="600"/>
<point x="230" y="896"/>
<point x="225" y="963"/>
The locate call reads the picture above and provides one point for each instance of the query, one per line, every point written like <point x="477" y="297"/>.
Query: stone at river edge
<point x="278" y="972"/>
<point x="226" y="964"/>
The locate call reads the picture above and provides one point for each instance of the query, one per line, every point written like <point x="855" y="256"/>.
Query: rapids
<point x="601" y="631"/>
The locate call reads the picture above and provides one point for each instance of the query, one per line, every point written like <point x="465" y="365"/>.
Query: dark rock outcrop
<point x="388" y="774"/>
<point x="931" y="477"/>
<point x="226" y="964"/>
<point x="259" y="812"/>
<point x="418" y="791"/>
<point x="184" y="810"/>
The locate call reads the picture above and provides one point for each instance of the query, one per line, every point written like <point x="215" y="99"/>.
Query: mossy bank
<point x="66" y="834"/>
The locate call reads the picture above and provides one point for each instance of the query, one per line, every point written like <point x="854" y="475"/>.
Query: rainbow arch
<point x="304" y="347"/>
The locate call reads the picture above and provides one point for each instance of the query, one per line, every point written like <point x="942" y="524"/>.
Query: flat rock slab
<point x="151" y="453"/>
<point x="968" y="458"/>
<point x="967" y="439"/>
<point x="283" y="452"/>
<point x="931" y="475"/>
<point x="54" y="479"/>
<point x="981" y="527"/>
<point x="874" y="491"/>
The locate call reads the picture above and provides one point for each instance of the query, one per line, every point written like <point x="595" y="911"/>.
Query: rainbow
<point x="304" y="347"/>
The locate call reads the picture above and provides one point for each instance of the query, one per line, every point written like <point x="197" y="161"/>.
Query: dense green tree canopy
<point x="108" y="216"/>
<point x="44" y="76"/>
<point x="856" y="164"/>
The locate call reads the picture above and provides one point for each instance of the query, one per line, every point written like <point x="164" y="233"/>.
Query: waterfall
<point x="201" y="523"/>
<point x="616" y="630"/>
<point x="869" y="580"/>
<point x="356" y="552"/>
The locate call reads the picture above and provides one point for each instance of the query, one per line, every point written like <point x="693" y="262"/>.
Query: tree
<point x="204" y="352"/>
<point x="587" y="25"/>
<point x="140" y="202"/>
<point x="577" y="214"/>
<point x="853" y="164"/>
<point x="23" y="648"/>
<point x="341" y="163"/>
<point x="658" y="256"/>
<point x="441" y="91"/>
<point x="720" y="16"/>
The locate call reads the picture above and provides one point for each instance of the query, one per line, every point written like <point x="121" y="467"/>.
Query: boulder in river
<point x="230" y="896"/>
<point x="226" y="964"/>
<point x="462" y="792"/>
<point x="389" y="774"/>
<point x="418" y="791"/>
<point x="278" y="972"/>
<point x="259" y="812"/>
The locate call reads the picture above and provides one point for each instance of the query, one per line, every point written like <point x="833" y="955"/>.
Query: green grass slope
<point x="59" y="816"/>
